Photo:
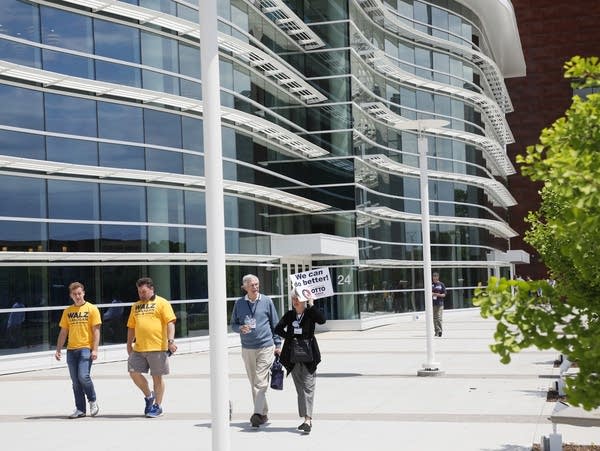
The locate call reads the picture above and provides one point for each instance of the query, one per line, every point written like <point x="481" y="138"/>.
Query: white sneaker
<point x="77" y="414"/>
<point x="94" y="409"/>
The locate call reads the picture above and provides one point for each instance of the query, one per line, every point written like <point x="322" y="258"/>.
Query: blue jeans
<point x="80" y="364"/>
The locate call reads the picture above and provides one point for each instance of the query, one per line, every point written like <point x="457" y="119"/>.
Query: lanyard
<point x="298" y="320"/>
<point x="250" y="304"/>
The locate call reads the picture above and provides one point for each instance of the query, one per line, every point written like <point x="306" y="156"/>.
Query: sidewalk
<point x="368" y="397"/>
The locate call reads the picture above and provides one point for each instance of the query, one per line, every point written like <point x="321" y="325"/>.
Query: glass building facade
<point x="102" y="155"/>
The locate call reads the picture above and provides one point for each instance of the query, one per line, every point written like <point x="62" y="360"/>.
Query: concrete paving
<point x="368" y="397"/>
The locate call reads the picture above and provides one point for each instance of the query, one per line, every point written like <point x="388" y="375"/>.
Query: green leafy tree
<point x="566" y="233"/>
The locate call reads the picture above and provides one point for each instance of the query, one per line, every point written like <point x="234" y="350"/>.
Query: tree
<point x="566" y="233"/>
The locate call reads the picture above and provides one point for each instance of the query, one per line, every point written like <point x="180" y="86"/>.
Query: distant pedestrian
<point x="439" y="294"/>
<point x="299" y="324"/>
<point x="150" y="340"/>
<point x="14" y="326"/>
<point x="254" y="317"/>
<point x="80" y="327"/>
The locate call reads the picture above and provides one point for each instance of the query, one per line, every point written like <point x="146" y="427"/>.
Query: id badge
<point x="297" y="331"/>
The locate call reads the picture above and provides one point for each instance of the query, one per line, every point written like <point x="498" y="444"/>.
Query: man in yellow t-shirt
<point x="81" y="324"/>
<point x="150" y="340"/>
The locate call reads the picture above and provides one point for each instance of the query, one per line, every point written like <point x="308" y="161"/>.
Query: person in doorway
<point x="299" y="323"/>
<point x="254" y="317"/>
<point x="80" y="328"/>
<point x="150" y="340"/>
<point x="439" y="294"/>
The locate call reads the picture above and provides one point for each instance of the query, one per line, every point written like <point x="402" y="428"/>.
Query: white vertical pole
<point x="424" y="181"/>
<point x="215" y="226"/>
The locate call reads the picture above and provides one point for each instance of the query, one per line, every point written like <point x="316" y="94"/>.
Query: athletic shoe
<point x="77" y="414"/>
<point x="256" y="420"/>
<point x="94" y="409"/>
<point x="305" y="427"/>
<point x="149" y="403"/>
<point x="263" y="419"/>
<point x="155" y="411"/>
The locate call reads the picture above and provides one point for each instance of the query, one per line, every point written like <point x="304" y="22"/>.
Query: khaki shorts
<point x="155" y="361"/>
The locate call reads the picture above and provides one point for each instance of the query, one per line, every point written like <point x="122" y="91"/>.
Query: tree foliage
<point x="566" y="233"/>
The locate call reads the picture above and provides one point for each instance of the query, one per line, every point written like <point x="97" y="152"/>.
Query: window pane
<point x="23" y="145"/>
<point x="22" y="196"/>
<point x="24" y="20"/>
<point x="117" y="41"/>
<point x="22" y="236"/>
<point x="120" y="122"/>
<point x="72" y="151"/>
<point x="118" y="73"/>
<point x="70" y="115"/>
<point x="118" y="156"/>
<point x="159" y="52"/>
<point x="120" y="238"/>
<point x="162" y="129"/>
<point x="123" y="203"/>
<point x="67" y="30"/>
<point x="73" y="237"/>
<point x="165" y="205"/>
<point x="164" y="161"/>
<point x="66" y="64"/>
<point x="195" y="208"/>
<point x="72" y="200"/>
<point x="25" y="110"/>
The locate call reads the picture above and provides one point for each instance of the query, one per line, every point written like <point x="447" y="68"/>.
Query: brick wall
<point x="552" y="31"/>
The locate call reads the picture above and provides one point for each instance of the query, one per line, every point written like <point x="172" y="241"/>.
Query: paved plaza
<point x="368" y="397"/>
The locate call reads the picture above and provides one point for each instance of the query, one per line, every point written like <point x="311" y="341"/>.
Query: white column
<point x="215" y="226"/>
<point x="424" y="179"/>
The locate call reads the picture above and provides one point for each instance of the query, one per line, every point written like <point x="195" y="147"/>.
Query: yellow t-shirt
<point x="79" y="321"/>
<point x="150" y="319"/>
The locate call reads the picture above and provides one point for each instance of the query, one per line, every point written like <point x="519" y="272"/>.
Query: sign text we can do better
<point x="317" y="280"/>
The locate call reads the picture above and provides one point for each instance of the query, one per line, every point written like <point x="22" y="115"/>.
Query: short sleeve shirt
<point x="80" y="321"/>
<point x="149" y="319"/>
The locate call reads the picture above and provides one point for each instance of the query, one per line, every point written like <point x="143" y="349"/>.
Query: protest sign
<point x="317" y="281"/>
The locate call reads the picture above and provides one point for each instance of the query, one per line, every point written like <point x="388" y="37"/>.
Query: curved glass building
<point x="102" y="159"/>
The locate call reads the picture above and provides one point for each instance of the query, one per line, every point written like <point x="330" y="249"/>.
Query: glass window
<point x="22" y="236"/>
<point x="193" y="133"/>
<point x="122" y="238"/>
<point x="165" y="206"/>
<point x="162" y="129"/>
<point x="155" y="81"/>
<point x="72" y="200"/>
<point x="26" y="107"/>
<point x="193" y="164"/>
<point x="67" y="30"/>
<point x="123" y="202"/>
<point x="189" y="61"/>
<point x="70" y="115"/>
<point x="120" y="156"/>
<point x="22" y="196"/>
<point x="23" y="20"/>
<point x="118" y="73"/>
<point x="159" y="52"/>
<point x="73" y="237"/>
<point x="63" y="63"/>
<point x="117" y="41"/>
<point x="195" y="208"/>
<point x="24" y="145"/>
<point x="120" y="122"/>
<point x="72" y="151"/>
<point x="164" y="161"/>
<point x="18" y="53"/>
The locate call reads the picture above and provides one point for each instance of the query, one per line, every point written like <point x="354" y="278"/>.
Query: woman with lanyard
<point x="297" y="325"/>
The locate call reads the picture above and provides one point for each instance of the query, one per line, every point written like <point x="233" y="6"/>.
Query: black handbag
<point x="301" y="350"/>
<point x="277" y="374"/>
